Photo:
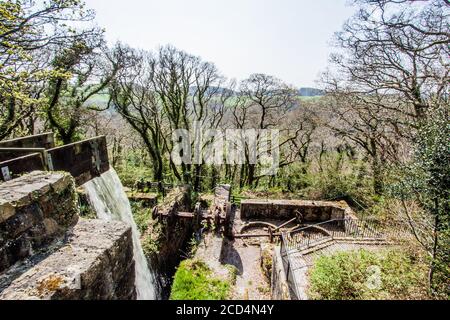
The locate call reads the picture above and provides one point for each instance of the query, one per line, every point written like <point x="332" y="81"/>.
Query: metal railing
<point x="312" y="235"/>
<point x="289" y="269"/>
<point x="347" y="229"/>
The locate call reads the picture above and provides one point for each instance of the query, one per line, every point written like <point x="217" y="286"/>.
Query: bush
<point x="364" y="275"/>
<point x="149" y="245"/>
<point x="132" y="171"/>
<point x="151" y="240"/>
<point x="341" y="178"/>
<point x="194" y="281"/>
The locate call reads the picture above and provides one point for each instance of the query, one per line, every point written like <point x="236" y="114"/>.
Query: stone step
<point x="317" y="246"/>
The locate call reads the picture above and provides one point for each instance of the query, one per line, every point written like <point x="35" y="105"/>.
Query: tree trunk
<point x="198" y="178"/>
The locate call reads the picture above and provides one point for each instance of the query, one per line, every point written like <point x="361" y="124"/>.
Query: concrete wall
<point x="312" y="211"/>
<point x="44" y="140"/>
<point x="84" y="160"/>
<point x="13" y="168"/>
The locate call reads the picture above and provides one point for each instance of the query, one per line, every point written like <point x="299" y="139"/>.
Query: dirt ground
<point x="250" y="281"/>
<point x="244" y="254"/>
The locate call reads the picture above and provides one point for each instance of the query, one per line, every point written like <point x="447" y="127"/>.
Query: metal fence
<point x="289" y="269"/>
<point x="312" y="235"/>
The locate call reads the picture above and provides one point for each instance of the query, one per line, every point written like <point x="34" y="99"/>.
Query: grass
<point x="388" y="274"/>
<point x="195" y="281"/>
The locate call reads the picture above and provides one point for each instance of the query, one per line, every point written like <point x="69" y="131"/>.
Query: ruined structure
<point x="270" y="243"/>
<point x="84" y="160"/>
<point x="310" y="211"/>
<point x="48" y="252"/>
<point x="170" y="231"/>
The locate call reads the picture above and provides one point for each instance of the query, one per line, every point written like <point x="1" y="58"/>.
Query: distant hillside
<point x="310" y="92"/>
<point x="213" y="90"/>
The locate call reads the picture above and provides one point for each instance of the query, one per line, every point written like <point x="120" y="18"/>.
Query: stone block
<point x="312" y="211"/>
<point x="95" y="263"/>
<point x="35" y="209"/>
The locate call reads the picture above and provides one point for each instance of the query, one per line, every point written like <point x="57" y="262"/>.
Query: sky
<point x="289" y="39"/>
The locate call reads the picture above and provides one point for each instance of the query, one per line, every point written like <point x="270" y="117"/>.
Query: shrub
<point x="386" y="274"/>
<point x="152" y="239"/>
<point x="149" y="245"/>
<point x="341" y="178"/>
<point x="195" y="281"/>
<point x="267" y="261"/>
<point x="233" y="272"/>
<point x="131" y="172"/>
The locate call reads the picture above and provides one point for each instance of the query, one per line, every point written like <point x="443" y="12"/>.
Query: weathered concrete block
<point x="96" y="263"/>
<point x="312" y="211"/>
<point x="35" y="209"/>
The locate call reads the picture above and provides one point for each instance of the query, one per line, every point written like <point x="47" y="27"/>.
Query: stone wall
<point x="171" y="237"/>
<point x="35" y="209"/>
<point x="312" y="211"/>
<point x="47" y="252"/>
<point x="279" y="283"/>
<point x="96" y="262"/>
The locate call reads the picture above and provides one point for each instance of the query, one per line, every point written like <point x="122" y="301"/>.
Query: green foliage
<point x="267" y="262"/>
<point x="87" y="212"/>
<point x="31" y="33"/>
<point x="130" y="173"/>
<point x="233" y="271"/>
<point x="151" y="240"/>
<point x="341" y="178"/>
<point x="141" y="215"/>
<point x="149" y="245"/>
<point x="195" y="281"/>
<point x="427" y="182"/>
<point x="194" y="197"/>
<point x="387" y="274"/>
<point x="193" y="246"/>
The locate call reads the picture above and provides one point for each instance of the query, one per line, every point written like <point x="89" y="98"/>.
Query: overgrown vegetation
<point x="141" y="215"/>
<point x="378" y="138"/>
<point x="267" y="261"/>
<point x="387" y="274"/>
<point x="194" y="281"/>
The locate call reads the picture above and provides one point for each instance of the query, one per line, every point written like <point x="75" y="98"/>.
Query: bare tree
<point x="133" y="96"/>
<point x="164" y="92"/>
<point x="187" y="88"/>
<point x="267" y="103"/>
<point x="399" y="48"/>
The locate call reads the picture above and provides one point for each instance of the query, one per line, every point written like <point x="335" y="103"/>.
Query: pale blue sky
<point x="285" y="38"/>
